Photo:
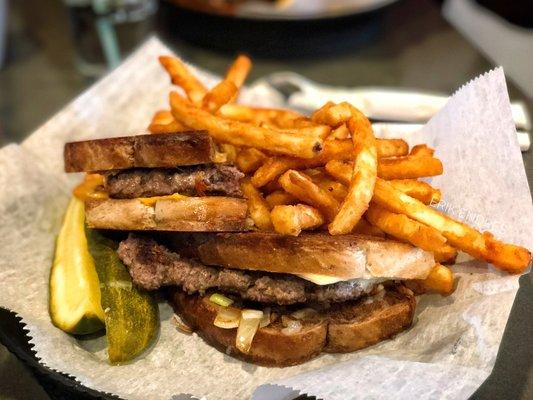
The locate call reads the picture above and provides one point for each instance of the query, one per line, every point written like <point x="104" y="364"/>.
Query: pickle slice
<point x="74" y="293"/>
<point x="131" y="316"/>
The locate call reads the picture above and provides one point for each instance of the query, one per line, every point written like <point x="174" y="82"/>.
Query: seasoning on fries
<point x="331" y="162"/>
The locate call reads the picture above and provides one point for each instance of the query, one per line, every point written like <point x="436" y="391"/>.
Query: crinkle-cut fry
<point x="292" y="219"/>
<point x="303" y="188"/>
<point x="422" y="191"/>
<point x="244" y="134"/>
<point x="257" y="206"/>
<point x="249" y="159"/>
<point x="239" y="70"/>
<point x="422" y="150"/>
<point x="221" y="94"/>
<point x="408" y="230"/>
<point x="181" y="75"/>
<point x="363" y="177"/>
<point x="392" y="148"/>
<point x="440" y="280"/>
<point x="279" y="198"/>
<point x="339" y="133"/>
<point x="409" y="167"/>
<point x="508" y="257"/>
<point x="365" y="228"/>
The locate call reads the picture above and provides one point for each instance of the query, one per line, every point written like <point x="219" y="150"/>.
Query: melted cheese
<point x="89" y="188"/>
<point x="321" y="280"/>
<point x="150" y="201"/>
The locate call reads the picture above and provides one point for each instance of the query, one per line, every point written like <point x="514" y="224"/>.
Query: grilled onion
<point x="248" y="326"/>
<point x="227" y="317"/>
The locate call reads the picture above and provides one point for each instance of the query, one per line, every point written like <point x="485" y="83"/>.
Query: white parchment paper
<point x="448" y="352"/>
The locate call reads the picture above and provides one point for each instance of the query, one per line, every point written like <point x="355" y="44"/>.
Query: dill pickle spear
<point x="131" y="316"/>
<point x="74" y="292"/>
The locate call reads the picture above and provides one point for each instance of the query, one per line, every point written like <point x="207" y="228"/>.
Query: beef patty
<point x="198" y="180"/>
<point x="152" y="266"/>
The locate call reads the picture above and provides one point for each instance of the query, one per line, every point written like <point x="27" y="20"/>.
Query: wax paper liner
<point x="454" y="340"/>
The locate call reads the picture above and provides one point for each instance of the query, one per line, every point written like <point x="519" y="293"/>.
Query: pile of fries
<point x="328" y="171"/>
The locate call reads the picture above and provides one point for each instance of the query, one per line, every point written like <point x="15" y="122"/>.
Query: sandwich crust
<point x="149" y="151"/>
<point x="343" y="328"/>
<point x="213" y="214"/>
<point x="344" y="256"/>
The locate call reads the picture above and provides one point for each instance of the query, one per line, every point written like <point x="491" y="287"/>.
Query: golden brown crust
<point x="344" y="328"/>
<point x="355" y="328"/>
<point x="200" y="214"/>
<point x="319" y="253"/>
<point x="150" y="151"/>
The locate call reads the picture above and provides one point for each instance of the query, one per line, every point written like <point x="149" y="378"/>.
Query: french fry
<point x="239" y="70"/>
<point x="257" y="116"/>
<point x="340" y="170"/>
<point x="291" y="220"/>
<point x="276" y="166"/>
<point x="333" y="114"/>
<point x="181" y="76"/>
<point x="162" y="117"/>
<point x="333" y="150"/>
<point x="508" y="257"/>
<point x="249" y="159"/>
<point x="303" y="188"/>
<point x="279" y="198"/>
<point x="244" y="134"/>
<point x="221" y="94"/>
<point x="337" y="189"/>
<point x="271" y="187"/>
<point x="411" y="231"/>
<point x="273" y="168"/>
<point x="229" y="151"/>
<point x="422" y="191"/>
<point x="257" y="206"/>
<point x="364" y="228"/>
<point x="363" y="176"/>
<point x="392" y="148"/>
<point x="164" y="122"/>
<point x="409" y="167"/>
<point x="440" y="280"/>
<point x="422" y="150"/>
<point x="339" y="133"/>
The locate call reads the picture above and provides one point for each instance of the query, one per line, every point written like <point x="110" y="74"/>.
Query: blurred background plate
<point x="283" y="9"/>
<point x="318" y="34"/>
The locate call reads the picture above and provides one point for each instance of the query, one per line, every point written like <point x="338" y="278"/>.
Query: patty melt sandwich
<point x="266" y="298"/>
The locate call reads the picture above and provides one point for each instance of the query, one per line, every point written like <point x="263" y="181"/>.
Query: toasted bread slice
<point x="346" y="327"/>
<point x="344" y="256"/>
<point x="200" y="214"/>
<point x="149" y="151"/>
